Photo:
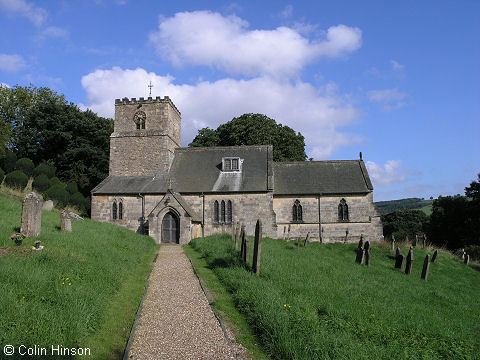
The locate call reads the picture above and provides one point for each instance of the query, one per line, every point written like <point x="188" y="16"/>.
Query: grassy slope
<point x="317" y="303"/>
<point x="106" y="266"/>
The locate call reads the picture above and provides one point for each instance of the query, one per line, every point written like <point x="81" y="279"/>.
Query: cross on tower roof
<point x="150" y="86"/>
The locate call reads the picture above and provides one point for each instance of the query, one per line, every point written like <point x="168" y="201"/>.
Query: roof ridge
<point x="198" y="148"/>
<point x="312" y="162"/>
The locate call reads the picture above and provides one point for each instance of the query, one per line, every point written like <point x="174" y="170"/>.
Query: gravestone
<point x="415" y="241"/>
<point x="406" y="239"/>
<point x="65" y="221"/>
<point x="408" y="267"/>
<point x="346" y="236"/>
<point x="397" y="252"/>
<point x="434" y="257"/>
<point x="257" y="247"/>
<point x="242" y="245"/>
<point x="246" y="253"/>
<point x="393" y="242"/>
<point x="367" y="253"/>
<point x="423" y="241"/>
<point x="399" y="261"/>
<point x="233" y="232"/>
<point x="237" y="234"/>
<point x="48" y="205"/>
<point x="463" y="254"/>
<point x="31" y="215"/>
<point x="467" y="259"/>
<point x="306" y="239"/>
<point x="298" y="243"/>
<point x="360" y="242"/>
<point x="426" y="266"/>
<point x="359" y="258"/>
<point x="75" y="216"/>
<point x="288" y="234"/>
<point x="284" y="232"/>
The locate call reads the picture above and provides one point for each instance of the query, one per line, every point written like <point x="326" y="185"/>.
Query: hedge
<point x="41" y="183"/>
<point x="26" y="165"/>
<point x="45" y="168"/>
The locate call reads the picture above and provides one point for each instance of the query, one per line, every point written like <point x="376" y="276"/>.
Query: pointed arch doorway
<point x="170" y="228"/>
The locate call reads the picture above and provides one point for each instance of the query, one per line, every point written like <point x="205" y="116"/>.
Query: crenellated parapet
<point x="148" y="100"/>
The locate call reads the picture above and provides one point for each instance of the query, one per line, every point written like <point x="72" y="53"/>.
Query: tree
<point x="473" y="191"/>
<point x="255" y="129"/>
<point x="403" y="223"/>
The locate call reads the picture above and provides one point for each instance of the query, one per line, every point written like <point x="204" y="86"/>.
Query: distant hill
<point x="385" y="207"/>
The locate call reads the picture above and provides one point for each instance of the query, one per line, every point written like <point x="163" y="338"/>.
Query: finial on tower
<point x="360" y="155"/>
<point x="150" y="86"/>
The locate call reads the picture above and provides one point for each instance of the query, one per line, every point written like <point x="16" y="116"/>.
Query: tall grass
<point x="317" y="303"/>
<point x="81" y="290"/>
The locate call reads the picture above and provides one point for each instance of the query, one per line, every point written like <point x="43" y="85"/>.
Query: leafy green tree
<point x="41" y="183"/>
<point x="25" y="165"/>
<point x="473" y="191"/>
<point x="2" y="175"/>
<point x="72" y="187"/>
<point x="58" y="194"/>
<point x="45" y="168"/>
<point x="403" y="223"/>
<point x="255" y="129"/>
<point x="8" y="161"/>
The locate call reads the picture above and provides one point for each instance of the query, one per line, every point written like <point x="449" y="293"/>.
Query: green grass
<point x="317" y="303"/>
<point x="427" y="210"/>
<point x="106" y="266"/>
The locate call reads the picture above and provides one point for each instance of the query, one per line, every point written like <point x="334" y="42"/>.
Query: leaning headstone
<point x="397" y="252"/>
<point x="467" y="259"/>
<point x="65" y="221"/>
<point x="426" y="266"/>
<point x="75" y="216"/>
<point x="48" y="205"/>
<point x="237" y="234"/>
<point x="367" y="253"/>
<point x="246" y="253"/>
<point x="31" y="215"/>
<point x="257" y="247"/>
<point x="359" y="258"/>
<point x="242" y="245"/>
<point x="399" y="261"/>
<point x="306" y="239"/>
<point x="408" y="267"/>
<point x="434" y="257"/>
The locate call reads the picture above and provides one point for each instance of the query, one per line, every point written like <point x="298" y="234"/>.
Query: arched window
<point x="120" y="210"/>
<point x="114" y="211"/>
<point x="215" y="212"/>
<point x="343" y="211"/>
<point x="297" y="213"/>
<point x="139" y="119"/>
<point x="223" y="211"/>
<point x="229" y="211"/>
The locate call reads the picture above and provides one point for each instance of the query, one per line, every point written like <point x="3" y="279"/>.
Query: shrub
<point x="78" y="200"/>
<point x="41" y="183"/>
<point x="72" y="187"/>
<point x="474" y="252"/>
<point x="2" y="174"/>
<point x="45" y="168"/>
<point x="26" y="165"/>
<point x="58" y="194"/>
<point x="16" y="179"/>
<point x="56" y="181"/>
<point x="8" y="162"/>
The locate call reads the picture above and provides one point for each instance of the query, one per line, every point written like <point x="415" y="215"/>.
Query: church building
<point x="175" y="194"/>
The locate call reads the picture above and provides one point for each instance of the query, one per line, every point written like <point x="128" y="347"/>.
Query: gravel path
<point x="176" y="321"/>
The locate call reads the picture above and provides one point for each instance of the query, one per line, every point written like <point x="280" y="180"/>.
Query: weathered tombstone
<point x="31" y="215"/>
<point x="65" y="221"/>
<point x="288" y="234"/>
<point x="298" y="243"/>
<point x="467" y="259"/>
<point x="408" y="267"/>
<point x="463" y="254"/>
<point x="346" y="236"/>
<point x="237" y="235"/>
<point x="360" y="242"/>
<point x="75" y="216"/>
<point x="284" y="232"/>
<point x="399" y="261"/>
<point x="48" y="205"/>
<point x="306" y="239"/>
<point x="415" y="241"/>
<point x="242" y="245"/>
<point x="426" y="266"/>
<point x="423" y="241"/>
<point x="397" y="252"/>
<point x="406" y="239"/>
<point x="233" y="232"/>
<point x="246" y="253"/>
<point x="367" y="253"/>
<point x="257" y="247"/>
<point x="393" y="242"/>
<point x="359" y="258"/>
<point x="434" y="257"/>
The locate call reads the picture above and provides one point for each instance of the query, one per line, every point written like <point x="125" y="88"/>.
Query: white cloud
<point x="287" y="12"/>
<point x="53" y="32"/>
<point x="390" y="98"/>
<point x="11" y="62"/>
<point x="396" y="65"/>
<point x="225" y="42"/>
<point x="35" y="14"/>
<point x="391" y="172"/>
<point x="316" y="113"/>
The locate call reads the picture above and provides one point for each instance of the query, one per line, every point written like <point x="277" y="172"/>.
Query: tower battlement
<point x="148" y="100"/>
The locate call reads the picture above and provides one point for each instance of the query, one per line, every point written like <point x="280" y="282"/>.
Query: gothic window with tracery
<point x="343" y="211"/>
<point x="297" y="212"/>
<point x="223" y="211"/>
<point x="215" y="212"/>
<point x="229" y="211"/>
<point x="114" y="210"/>
<point x="120" y="210"/>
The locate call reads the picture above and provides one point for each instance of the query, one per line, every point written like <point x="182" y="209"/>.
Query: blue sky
<point x="397" y="80"/>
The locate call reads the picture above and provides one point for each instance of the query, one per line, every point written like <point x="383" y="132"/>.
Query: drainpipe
<point x="203" y="215"/>
<point x="320" y="236"/>
<point x="143" y="212"/>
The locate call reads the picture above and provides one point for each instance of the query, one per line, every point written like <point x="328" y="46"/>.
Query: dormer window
<point x="231" y="164"/>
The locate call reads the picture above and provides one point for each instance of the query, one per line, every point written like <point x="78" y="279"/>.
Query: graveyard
<point x="314" y="301"/>
<point x="82" y="289"/>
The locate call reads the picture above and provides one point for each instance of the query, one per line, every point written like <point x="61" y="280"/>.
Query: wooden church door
<point x="170" y="231"/>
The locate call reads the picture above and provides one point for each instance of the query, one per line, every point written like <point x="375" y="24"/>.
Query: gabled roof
<point x="181" y="201"/>
<point x="321" y="177"/>
<point x="132" y="185"/>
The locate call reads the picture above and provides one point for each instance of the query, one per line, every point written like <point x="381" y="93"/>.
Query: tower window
<point x="297" y="212"/>
<point x="343" y="211"/>
<point x="139" y="119"/>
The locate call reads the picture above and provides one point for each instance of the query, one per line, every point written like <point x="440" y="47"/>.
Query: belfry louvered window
<point x="297" y="212"/>
<point x="343" y="211"/>
<point x="215" y="212"/>
<point x="114" y="210"/>
<point x="223" y="211"/>
<point x="229" y="211"/>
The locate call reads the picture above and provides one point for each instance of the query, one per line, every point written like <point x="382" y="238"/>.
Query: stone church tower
<point x="146" y="133"/>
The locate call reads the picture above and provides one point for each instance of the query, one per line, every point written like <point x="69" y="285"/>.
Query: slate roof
<point x="179" y="198"/>
<point x="196" y="170"/>
<point x="321" y="177"/>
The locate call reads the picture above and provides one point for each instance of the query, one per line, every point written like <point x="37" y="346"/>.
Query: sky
<point x="395" y="80"/>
